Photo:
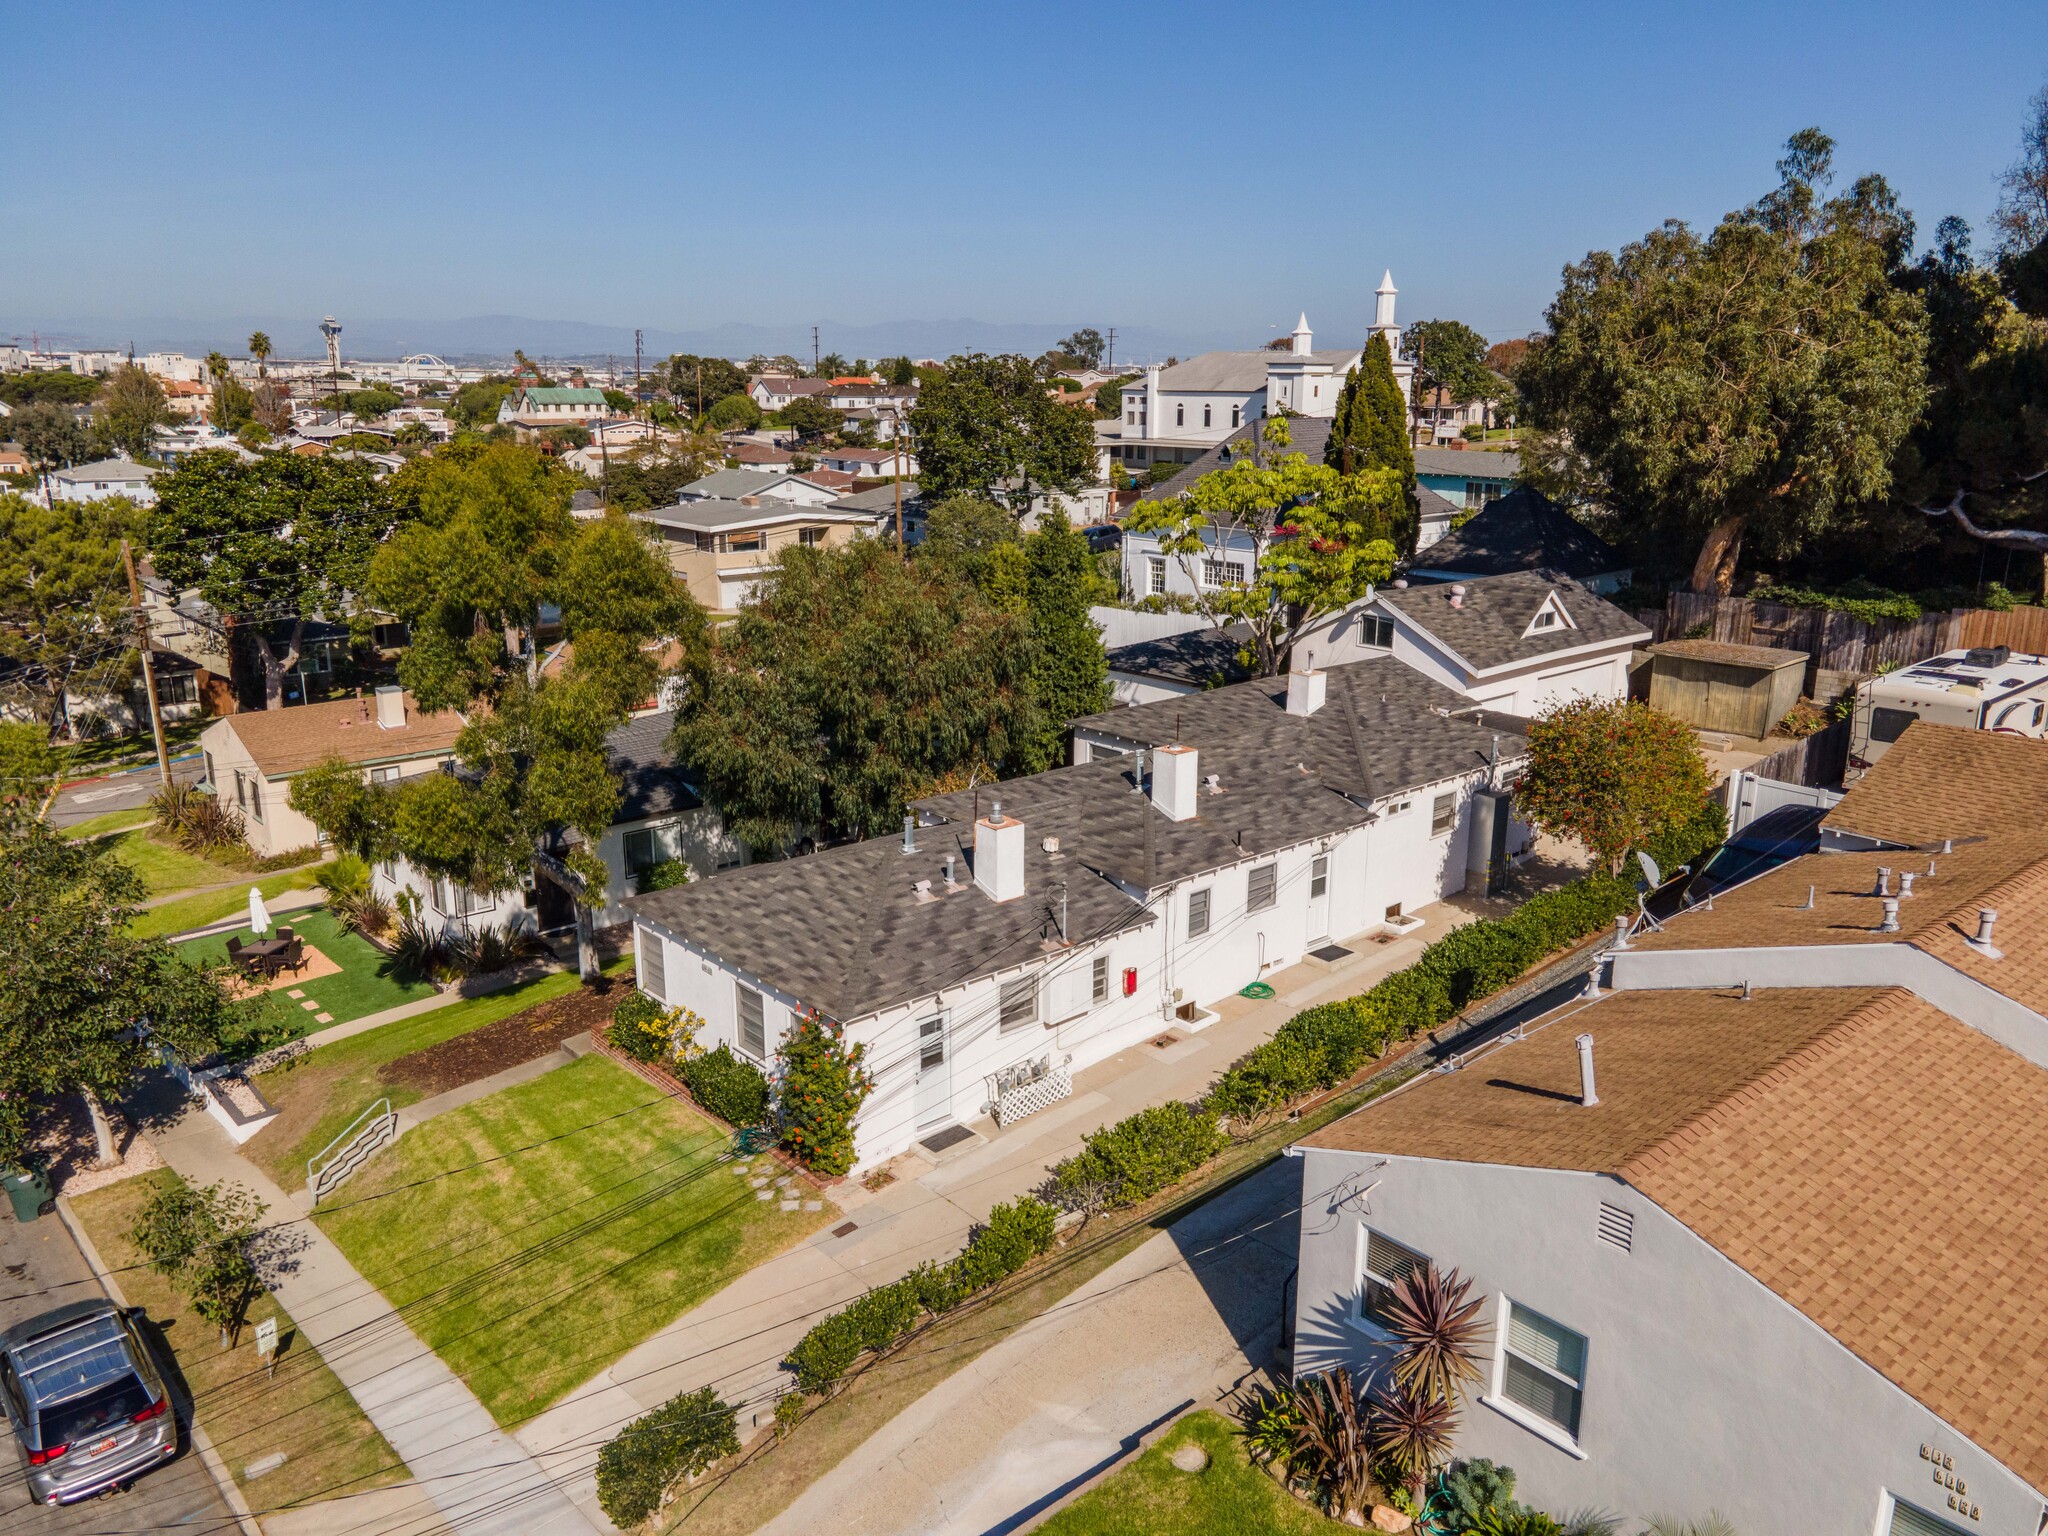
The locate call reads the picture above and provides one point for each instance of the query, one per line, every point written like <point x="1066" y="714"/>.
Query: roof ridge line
<point x="1994" y="897"/>
<point x="1830" y="1040"/>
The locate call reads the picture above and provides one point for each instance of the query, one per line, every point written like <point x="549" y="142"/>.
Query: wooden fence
<point x="1840" y="642"/>
<point x="1819" y="759"/>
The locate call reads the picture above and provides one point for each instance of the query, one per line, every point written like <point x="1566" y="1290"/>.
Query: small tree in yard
<point x="823" y="1086"/>
<point x="200" y="1240"/>
<point x="679" y="1439"/>
<point x="1612" y="774"/>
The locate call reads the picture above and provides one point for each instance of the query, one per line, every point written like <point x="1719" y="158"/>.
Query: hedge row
<point x="731" y="1089"/>
<point x="679" y="1439"/>
<point x="1322" y="1046"/>
<point x="1014" y="1234"/>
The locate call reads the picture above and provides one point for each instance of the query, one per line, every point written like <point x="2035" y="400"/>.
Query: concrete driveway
<point x="41" y="1257"/>
<point x="991" y="1449"/>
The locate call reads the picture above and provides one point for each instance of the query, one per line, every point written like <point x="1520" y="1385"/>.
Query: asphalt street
<point x="123" y="791"/>
<point x="176" y="1496"/>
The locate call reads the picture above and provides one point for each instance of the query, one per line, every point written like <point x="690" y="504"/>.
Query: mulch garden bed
<point x="516" y="1038"/>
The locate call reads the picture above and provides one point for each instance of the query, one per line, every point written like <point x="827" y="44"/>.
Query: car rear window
<point x="83" y="1417"/>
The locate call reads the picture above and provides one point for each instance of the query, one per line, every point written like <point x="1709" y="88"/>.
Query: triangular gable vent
<point x="1550" y="616"/>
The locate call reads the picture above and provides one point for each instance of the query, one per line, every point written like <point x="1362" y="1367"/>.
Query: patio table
<point x="264" y="954"/>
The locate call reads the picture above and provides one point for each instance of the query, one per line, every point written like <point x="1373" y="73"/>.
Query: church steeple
<point x="1383" y="307"/>
<point x="1303" y="337"/>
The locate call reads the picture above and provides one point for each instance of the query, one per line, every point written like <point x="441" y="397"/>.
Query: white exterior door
<point x="1319" y="901"/>
<point x="934" y="1102"/>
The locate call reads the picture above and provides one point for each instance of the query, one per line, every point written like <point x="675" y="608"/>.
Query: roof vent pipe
<point x="1620" y="931"/>
<point x="1891" y="916"/>
<point x="1905" y="882"/>
<point x="1138" y="776"/>
<point x="951" y="879"/>
<point x="1987" y="918"/>
<point x="1884" y="881"/>
<point x="1587" y="1096"/>
<point x="1458" y="594"/>
<point x="910" y="834"/>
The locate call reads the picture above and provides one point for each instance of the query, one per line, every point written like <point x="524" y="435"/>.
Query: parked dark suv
<point x="85" y="1401"/>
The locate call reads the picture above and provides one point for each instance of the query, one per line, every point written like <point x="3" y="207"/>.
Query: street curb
<point x="215" y="1468"/>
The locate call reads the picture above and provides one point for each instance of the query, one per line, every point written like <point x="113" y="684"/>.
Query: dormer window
<point x="1551" y="617"/>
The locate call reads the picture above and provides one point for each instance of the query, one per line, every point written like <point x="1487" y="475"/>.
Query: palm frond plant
<point x="1410" y="1436"/>
<point x="1715" y="1524"/>
<point x="1441" y="1334"/>
<point x="417" y="953"/>
<point x="172" y="806"/>
<point x="1268" y="1418"/>
<point x="1331" y="1443"/>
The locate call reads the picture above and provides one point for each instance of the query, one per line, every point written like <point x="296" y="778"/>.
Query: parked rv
<point x="1990" y="688"/>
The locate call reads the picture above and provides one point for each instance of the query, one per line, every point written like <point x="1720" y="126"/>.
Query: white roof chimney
<point x="1304" y="338"/>
<point x="1305" y="692"/>
<point x="1176" y="779"/>
<point x="999" y="855"/>
<point x="390" y="708"/>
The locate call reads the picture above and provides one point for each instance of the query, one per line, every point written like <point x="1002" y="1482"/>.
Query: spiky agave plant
<point x="1441" y="1332"/>
<point x="1331" y="1443"/>
<point x="1410" y="1434"/>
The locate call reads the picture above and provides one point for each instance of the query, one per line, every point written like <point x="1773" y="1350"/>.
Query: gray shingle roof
<point x="1193" y="656"/>
<point x="710" y="515"/>
<point x="1523" y="531"/>
<point x="1473" y="463"/>
<point x="882" y="499"/>
<point x="735" y="483"/>
<point x="1310" y="434"/>
<point x="1236" y="372"/>
<point x="650" y="781"/>
<point x="1487" y="628"/>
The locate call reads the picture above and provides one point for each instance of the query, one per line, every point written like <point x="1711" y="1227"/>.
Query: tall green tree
<point x="83" y="1002"/>
<point x="1613" y="774"/>
<point x="131" y="407"/>
<point x="50" y="434"/>
<point x="260" y="349"/>
<point x="1070" y="673"/>
<point x="270" y="545"/>
<point x="852" y="684"/>
<point x="811" y="417"/>
<point x="1753" y="384"/>
<point x="1370" y="431"/>
<point x="1447" y="354"/>
<point x="1310" y="538"/>
<point x="991" y="427"/>
<point x="481" y="552"/>
<point x="63" y="599"/>
<point x="233" y="406"/>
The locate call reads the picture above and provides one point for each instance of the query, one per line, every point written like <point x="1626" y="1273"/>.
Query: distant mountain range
<point x="490" y="337"/>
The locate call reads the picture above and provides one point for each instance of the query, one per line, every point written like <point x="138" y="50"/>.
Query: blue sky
<point x="1190" y="169"/>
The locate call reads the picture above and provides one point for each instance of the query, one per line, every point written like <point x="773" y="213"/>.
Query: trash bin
<point x="29" y="1189"/>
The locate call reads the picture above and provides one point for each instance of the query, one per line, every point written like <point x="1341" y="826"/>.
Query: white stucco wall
<point x="1703" y="1389"/>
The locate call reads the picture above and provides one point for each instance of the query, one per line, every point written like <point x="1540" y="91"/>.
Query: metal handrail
<point x="381" y="1110"/>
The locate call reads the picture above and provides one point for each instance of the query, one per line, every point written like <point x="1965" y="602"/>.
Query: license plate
<point x="103" y="1447"/>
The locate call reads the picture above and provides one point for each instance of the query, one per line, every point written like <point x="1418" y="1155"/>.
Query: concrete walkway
<point x="737" y="1339"/>
<point x="477" y="1476"/>
<point x="1178" y="1323"/>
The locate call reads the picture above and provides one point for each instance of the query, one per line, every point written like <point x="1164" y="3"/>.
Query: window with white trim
<point x="388" y="774"/>
<point x="1543" y="1368"/>
<point x="1386" y="1264"/>
<point x="1205" y="415"/>
<point x="1237" y="415"/>
<point x="1263" y="889"/>
<point x="1198" y="913"/>
<point x="1018" y="1004"/>
<point x="650" y="962"/>
<point x="1099" y="988"/>
<point x="1443" y="815"/>
<point x="1155" y="575"/>
<point x="753" y="1021"/>
<point x="1319" y="877"/>
<point x="1180" y="415"/>
<point x="1376" y="631"/>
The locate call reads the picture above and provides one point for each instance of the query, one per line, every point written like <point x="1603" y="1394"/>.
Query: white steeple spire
<point x="1303" y="336"/>
<point x="1383" y="303"/>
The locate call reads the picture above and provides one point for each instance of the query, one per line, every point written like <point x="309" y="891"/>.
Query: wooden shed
<point x="1742" y="690"/>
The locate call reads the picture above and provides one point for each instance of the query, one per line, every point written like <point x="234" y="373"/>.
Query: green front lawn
<point x="1152" y="1496"/>
<point x="363" y="985"/>
<point x="165" y="868"/>
<point x="301" y="1410"/>
<point x="109" y="821"/>
<point x="189" y="912"/>
<point x="530" y="1274"/>
<point x="319" y="1094"/>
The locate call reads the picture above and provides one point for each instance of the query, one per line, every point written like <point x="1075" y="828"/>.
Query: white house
<point x="1174" y="414"/>
<point x="1757" y="1226"/>
<point x="1022" y="931"/>
<point x="869" y="463"/>
<point x="103" y="478"/>
<point x="535" y="407"/>
<point x="773" y="391"/>
<point x="785" y="485"/>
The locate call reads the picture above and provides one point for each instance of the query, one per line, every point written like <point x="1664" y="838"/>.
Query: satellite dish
<point x="1651" y="872"/>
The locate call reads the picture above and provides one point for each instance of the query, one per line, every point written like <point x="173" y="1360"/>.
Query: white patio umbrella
<point x="259" y="915"/>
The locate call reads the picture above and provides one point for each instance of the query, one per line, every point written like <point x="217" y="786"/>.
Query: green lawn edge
<point x="1150" y="1496"/>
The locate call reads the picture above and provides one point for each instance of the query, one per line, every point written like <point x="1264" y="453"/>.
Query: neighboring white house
<point x="785" y="485"/>
<point x="1173" y="414"/>
<point x="869" y="463"/>
<point x="660" y="817"/>
<point x="103" y="478"/>
<point x="773" y="391"/>
<point x="1027" y="929"/>
<point x="1757" y="1227"/>
<point x="252" y="757"/>
<point x="536" y="407"/>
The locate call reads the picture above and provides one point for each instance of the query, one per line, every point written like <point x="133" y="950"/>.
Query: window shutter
<point x="652" y="963"/>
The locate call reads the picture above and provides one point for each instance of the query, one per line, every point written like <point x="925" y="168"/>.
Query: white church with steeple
<point x="1175" y="414"/>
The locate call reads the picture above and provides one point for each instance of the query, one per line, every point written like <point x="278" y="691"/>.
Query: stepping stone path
<point x="310" y="1006"/>
<point x="814" y="1205"/>
<point x="790" y="1205"/>
<point x="263" y="1464"/>
<point x="323" y="1018"/>
<point x="764" y="1194"/>
<point x="1190" y="1457"/>
<point x="294" y="994"/>
<point x="784" y="1182"/>
<point x="758" y="1183"/>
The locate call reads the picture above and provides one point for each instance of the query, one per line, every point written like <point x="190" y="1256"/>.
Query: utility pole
<point x="814" y="351"/>
<point x="156" y="714"/>
<point x="636" y="365"/>
<point x="896" y="441"/>
<point x="1111" y="363"/>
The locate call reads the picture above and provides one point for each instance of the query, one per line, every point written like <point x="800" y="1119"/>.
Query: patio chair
<point x="240" y="961"/>
<point x="284" y="935"/>
<point x="294" y="956"/>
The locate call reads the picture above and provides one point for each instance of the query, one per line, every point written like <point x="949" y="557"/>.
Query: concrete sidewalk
<point x="476" y="1475"/>
<point x="1178" y="1323"/>
<point x="737" y="1339"/>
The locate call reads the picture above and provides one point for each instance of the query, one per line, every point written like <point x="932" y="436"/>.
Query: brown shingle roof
<point x="1832" y="1143"/>
<point x="1941" y="781"/>
<point x="282" y="741"/>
